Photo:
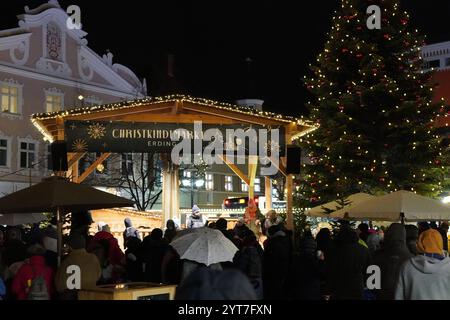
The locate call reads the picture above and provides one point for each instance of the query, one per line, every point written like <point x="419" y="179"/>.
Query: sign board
<point x="138" y="137"/>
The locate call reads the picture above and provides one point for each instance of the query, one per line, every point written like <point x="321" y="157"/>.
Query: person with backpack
<point x="34" y="280"/>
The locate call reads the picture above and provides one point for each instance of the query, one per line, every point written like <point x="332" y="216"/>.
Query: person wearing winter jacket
<point x="129" y="232"/>
<point x="249" y="260"/>
<point x="196" y="219"/>
<point x="276" y="260"/>
<point x="88" y="263"/>
<point x="427" y="275"/>
<point x="115" y="254"/>
<point x="30" y="270"/>
<point x="347" y="266"/>
<point x="390" y="258"/>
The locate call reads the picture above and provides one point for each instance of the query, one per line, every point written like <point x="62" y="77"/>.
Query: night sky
<point x="212" y="39"/>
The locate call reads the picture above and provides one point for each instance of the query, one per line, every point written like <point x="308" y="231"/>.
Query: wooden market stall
<point x="166" y="111"/>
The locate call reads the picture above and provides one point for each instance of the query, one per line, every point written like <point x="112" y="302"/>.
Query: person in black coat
<point x="347" y="266"/>
<point x="134" y="263"/>
<point x="275" y="264"/>
<point x="325" y="247"/>
<point x="307" y="272"/>
<point x="222" y="226"/>
<point x="171" y="231"/>
<point x="443" y="230"/>
<point x="412" y="235"/>
<point x="390" y="258"/>
<point x="153" y="251"/>
<point x="207" y="284"/>
<point x="249" y="260"/>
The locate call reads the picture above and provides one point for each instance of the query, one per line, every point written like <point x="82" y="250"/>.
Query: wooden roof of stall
<point x="169" y="109"/>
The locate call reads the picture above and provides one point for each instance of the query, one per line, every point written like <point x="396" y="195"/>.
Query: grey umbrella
<point x="59" y="195"/>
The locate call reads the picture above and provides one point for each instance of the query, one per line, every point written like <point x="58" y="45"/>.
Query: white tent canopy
<point x="319" y="211"/>
<point x="393" y="206"/>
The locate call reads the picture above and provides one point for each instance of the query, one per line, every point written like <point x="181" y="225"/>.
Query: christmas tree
<point x="373" y="106"/>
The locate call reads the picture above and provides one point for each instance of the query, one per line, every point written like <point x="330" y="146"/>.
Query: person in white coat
<point x="196" y="219"/>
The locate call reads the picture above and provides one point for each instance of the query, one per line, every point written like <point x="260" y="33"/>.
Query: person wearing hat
<point x="393" y="253"/>
<point x="30" y="270"/>
<point x="88" y="263"/>
<point x="426" y="276"/>
<point x="240" y="229"/>
<point x="196" y="219"/>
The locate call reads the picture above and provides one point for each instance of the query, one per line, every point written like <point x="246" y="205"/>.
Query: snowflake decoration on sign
<point x="96" y="131"/>
<point x="79" y="145"/>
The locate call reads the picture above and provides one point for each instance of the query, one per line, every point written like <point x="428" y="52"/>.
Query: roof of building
<point x="172" y="98"/>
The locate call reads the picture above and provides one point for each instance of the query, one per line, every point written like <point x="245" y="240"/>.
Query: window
<point x="92" y="101"/>
<point x="27" y="154"/>
<point x="10" y="98"/>
<point x="3" y="152"/>
<point x="434" y="63"/>
<point x="209" y="181"/>
<point x="257" y="185"/>
<point x="228" y="183"/>
<point x="244" y="186"/>
<point x="127" y="164"/>
<point x="53" y="102"/>
<point x="187" y="174"/>
<point x="49" y="158"/>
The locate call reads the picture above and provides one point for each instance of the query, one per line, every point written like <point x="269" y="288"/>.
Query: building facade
<point x="437" y="60"/>
<point x="46" y="66"/>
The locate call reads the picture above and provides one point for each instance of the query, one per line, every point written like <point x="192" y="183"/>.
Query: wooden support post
<point x="170" y="192"/>
<point x="289" y="202"/>
<point x="92" y="167"/>
<point x="175" y="212"/>
<point x="75" y="171"/>
<point x="268" y="193"/>
<point x="279" y="165"/>
<point x="235" y="169"/>
<point x="74" y="157"/>
<point x="252" y="168"/>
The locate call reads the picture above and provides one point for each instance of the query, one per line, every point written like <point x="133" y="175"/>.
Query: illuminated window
<point x="257" y="185"/>
<point x="54" y="102"/>
<point x="244" y="186"/>
<point x="187" y="174"/>
<point x="209" y="181"/>
<point x="92" y="101"/>
<point x="10" y="95"/>
<point x="228" y="183"/>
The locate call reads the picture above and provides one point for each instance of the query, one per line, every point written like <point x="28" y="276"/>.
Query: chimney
<point x="256" y="104"/>
<point x="250" y="101"/>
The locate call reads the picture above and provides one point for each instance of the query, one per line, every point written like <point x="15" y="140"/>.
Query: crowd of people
<point x="333" y="264"/>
